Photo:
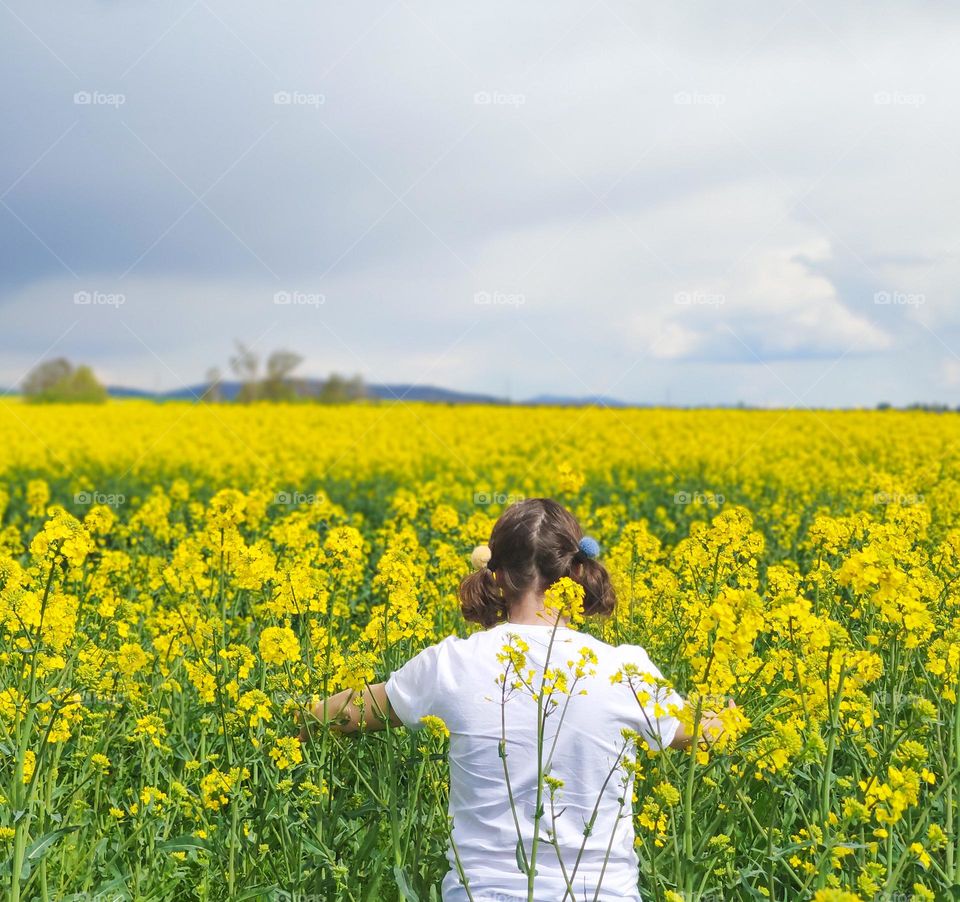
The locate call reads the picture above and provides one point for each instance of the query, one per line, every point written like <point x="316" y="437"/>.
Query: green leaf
<point x="183" y="844"/>
<point x="313" y="848"/>
<point x="373" y="887"/>
<point x="256" y="892"/>
<point x="38" y="849"/>
<point x="403" y="885"/>
<point x="111" y="885"/>
<point x="521" y="857"/>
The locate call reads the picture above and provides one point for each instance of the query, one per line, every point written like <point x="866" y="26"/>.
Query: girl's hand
<point x="709" y="718"/>
<point x="711" y="726"/>
<point x="349" y="711"/>
<point x="305" y="718"/>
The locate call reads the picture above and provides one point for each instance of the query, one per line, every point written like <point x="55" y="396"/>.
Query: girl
<point x="545" y="793"/>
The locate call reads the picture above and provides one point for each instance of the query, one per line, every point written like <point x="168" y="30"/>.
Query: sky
<point x="693" y="203"/>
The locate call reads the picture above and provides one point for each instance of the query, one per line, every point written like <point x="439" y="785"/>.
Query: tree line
<point x="269" y="379"/>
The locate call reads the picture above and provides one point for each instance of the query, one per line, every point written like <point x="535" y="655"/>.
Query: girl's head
<point x="533" y="544"/>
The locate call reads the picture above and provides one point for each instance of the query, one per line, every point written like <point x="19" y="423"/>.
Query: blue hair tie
<point x="589" y="547"/>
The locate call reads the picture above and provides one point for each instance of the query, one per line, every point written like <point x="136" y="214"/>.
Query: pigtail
<point x="481" y="600"/>
<point x="599" y="597"/>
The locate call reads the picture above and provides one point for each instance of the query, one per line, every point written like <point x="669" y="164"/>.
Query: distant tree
<point x="213" y="393"/>
<point x="928" y="408"/>
<point x="356" y="389"/>
<point x="277" y="384"/>
<point x="246" y="365"/>
<point x="84" y="386"/>
<point x="338" y="390"/>
<point x="44" y="376"/>
<point x="59" y="381"/>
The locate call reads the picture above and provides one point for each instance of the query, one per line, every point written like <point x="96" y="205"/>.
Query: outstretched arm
<point x="710" y="729"/>
<point x="347" y="710"/>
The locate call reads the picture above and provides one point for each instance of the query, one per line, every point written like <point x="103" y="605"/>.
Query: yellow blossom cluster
<point x="177" y="581"/>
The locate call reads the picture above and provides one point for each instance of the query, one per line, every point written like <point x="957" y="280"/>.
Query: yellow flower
<point x="131" y="659"/>
<point x="38" y="494"/>
<point x="922" y="855"/>
<point x="279" y="645"/>
<point x="835" y="895"/>
<point x="29" y="764"/>
<point x="217" y="786"/>
<point x="435" y="726"/>
<point x="255" y="706"/>
<point x="565" y="599"/>
<point x="286" y="752"/>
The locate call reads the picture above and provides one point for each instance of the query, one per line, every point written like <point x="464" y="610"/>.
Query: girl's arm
<point x="342" y="712"/>
<point x="709" y="720"/>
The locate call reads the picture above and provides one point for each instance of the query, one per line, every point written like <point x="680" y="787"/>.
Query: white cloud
<point x="792" y="195"/>
<point x="950" y="371"/>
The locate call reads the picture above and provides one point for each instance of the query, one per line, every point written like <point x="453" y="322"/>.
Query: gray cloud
<point x="673" y="201"/>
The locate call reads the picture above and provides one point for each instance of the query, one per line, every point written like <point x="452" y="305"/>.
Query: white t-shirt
<point x="456" y="680"/>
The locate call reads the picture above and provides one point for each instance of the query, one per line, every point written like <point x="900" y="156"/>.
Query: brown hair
<point x="533" y="544"/>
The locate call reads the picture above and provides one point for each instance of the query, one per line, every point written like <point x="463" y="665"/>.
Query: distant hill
<point x="230" y="389"/>
<point x="571" y="401"/>
<point x="429" y="393"/>
<point x="118" y="391"/>
<point x="383" y="392"/>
